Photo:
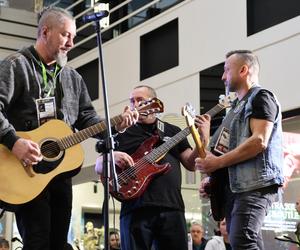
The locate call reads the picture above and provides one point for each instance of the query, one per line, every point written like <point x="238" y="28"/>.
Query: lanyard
<point x="45" y="79"/>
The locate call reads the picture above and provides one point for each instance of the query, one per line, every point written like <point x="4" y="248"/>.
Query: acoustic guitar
<point x="62" y="155"/>
<point x="133" y="181"/>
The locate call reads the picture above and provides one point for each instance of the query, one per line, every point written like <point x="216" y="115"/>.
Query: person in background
<point x="114" y="240"/>
<point x="37" y="86"/>
<point x="219" y="242"/>
<point x="196" y="230"/>
<point x="4" y="244"/>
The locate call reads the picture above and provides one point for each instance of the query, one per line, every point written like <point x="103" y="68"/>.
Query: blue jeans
<point x="245" y="213"/>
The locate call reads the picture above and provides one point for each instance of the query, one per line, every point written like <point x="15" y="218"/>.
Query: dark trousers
<point x="161" y="228"/>
<point x="44" y="222"/>
<point x="245" y="213"/>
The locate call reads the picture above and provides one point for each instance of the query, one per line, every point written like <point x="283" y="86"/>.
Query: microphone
<point x="95" y="16"/>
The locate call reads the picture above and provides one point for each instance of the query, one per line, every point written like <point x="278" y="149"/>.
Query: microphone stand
<point x="106" y="146"/>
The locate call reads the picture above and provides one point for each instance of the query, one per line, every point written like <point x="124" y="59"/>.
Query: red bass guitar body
<point x="133" y="180"/>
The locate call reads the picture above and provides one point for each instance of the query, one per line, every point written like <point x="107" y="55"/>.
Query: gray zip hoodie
<point x="21" y="83"/>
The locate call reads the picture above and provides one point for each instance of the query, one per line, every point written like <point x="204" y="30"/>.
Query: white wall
<point x="15" y="22"/>
<point x="207" y="30"/>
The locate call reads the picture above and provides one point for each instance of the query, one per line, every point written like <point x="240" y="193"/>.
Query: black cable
<point x="16" y="239"/>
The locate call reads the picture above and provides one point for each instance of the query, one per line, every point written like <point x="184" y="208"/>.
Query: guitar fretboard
<point x="215" y="110"/>
<point x="80" y="136"/>
<point x="161" y="150"/>
<point x="156" y="153"/>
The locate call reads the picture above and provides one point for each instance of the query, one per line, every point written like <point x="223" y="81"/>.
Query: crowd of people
<point x="37" y="86"/>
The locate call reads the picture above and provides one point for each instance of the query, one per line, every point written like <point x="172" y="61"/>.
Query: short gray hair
<point x="196" y="223"/>
<point x="150" y="89"/>
<point x="52" y="15"/>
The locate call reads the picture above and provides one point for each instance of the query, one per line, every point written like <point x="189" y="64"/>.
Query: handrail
<point x="111" y="11"/>
<point x="116" y="23"/>
<point x="74" y="4"/>
<point x="84" y="12"/>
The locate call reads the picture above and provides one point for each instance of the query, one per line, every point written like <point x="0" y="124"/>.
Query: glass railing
<point x="124" y="15"/>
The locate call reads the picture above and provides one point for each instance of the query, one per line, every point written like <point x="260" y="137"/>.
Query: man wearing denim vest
<point x="248" y="146"/>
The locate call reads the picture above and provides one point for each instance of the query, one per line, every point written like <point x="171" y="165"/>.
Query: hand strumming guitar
<point x="27" y="151"/>
<point x="209" y="164"/>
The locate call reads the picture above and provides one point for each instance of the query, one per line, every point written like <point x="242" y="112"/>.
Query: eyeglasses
<point x="132" y="100"/>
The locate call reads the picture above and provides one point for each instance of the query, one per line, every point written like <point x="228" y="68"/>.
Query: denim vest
<point x="266" y="168"/>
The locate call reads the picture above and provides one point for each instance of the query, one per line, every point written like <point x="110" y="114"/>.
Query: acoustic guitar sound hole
<point x="50" y="149"/>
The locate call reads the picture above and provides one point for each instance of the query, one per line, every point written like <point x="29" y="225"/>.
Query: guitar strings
<point x="127" y="173"/>
<point x="138" y="166"/>
<point x="141" y="163"/>
<point x="68" y="141"/>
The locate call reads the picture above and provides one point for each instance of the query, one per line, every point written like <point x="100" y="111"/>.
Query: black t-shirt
<point x="164" y="190"/>
<point x="264" y="106"/>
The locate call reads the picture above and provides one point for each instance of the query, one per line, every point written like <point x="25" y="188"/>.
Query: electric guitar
<point x="61" y="151"/>
<point x="133" y="181"/>
<point x="215" y="187"/>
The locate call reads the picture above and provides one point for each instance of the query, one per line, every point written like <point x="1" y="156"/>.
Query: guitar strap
<point x="156" y="128"/>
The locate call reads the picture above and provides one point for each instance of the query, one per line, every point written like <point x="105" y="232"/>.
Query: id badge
<point x="46" y="109"/>
<point x="222" y="144"/>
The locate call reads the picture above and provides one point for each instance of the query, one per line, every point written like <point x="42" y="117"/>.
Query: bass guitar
<point x="61" y="151"/>
<point x="133" y="181"/>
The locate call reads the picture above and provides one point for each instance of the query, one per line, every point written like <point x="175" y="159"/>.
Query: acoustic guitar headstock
<point x="151" y="106"/>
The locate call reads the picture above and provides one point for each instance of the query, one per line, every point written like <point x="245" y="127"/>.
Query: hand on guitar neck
<point x="129" y="117"/>
<point x="200" y="135"/>
<point x="202" y="123"/>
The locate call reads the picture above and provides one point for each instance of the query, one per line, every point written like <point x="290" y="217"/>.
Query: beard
<point x="231" y="89"/>
<point x="61" y="59"/>
<point x="231" y="86"/>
